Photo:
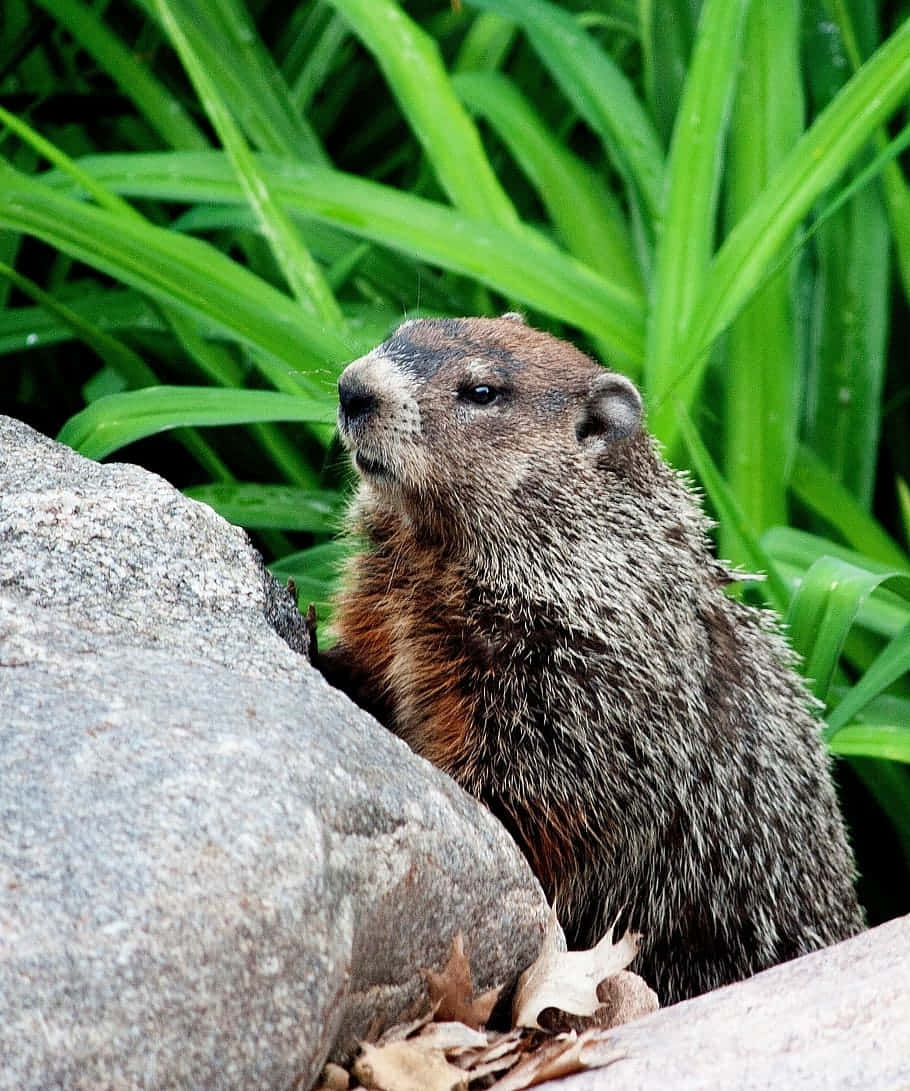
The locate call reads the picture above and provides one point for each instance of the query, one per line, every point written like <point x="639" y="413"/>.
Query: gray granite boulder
<point x="835" y="1020"/>
<point x="214" y="869"/>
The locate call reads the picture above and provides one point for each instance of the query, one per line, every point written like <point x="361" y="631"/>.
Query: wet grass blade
<point x="582" y="209"/>
<point x="848" y="344"/>
<point x="889" y="741"/>
<point x="410" y="61"/>
<point x="761" y="356"/>
<point x="280" y="507"/>
<point x="824" y="609"/>
<point x="521" y="263"/>
<point x="817" y="487"/>
<point x="815" y="163"/>
<point x="891" y="664"/>
<point x="113" y="422"/>
<point x="748" y="549"/>
<point x="294" y="260"/>
<point x="180" y="271"/>
<point x="597" y="88"/>
<point x="686" y="241"/>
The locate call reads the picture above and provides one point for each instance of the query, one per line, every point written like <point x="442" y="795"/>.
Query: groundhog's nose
<point x="355" y="398"/>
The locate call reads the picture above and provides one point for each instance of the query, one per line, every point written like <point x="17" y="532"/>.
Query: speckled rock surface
<point x="835" y="1020"/>
<point x="214" y="869"/>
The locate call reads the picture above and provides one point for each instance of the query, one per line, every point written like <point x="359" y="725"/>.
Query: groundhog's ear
<point x="514" y="316"/>
<point x="611" y="412"/>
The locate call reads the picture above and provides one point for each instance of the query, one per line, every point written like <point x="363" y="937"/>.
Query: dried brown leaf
<point x="404" y="1066"/>
<point x="568" y="980"/>
<point x="450" y="1038"/>
<point x="452" y="990"/>
<point x="514" y="1041"/>
<point x="555" y="1058"/>
<point x="400" y="1031"/>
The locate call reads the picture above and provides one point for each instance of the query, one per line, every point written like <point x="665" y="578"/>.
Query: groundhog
<point x="533" y="606"/>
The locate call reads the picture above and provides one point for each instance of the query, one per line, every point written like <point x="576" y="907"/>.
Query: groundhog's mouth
<point x="372" y="467"/>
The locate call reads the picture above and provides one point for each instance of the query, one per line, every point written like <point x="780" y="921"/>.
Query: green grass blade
<point x="250" y="82"/>
<point x="666" y="30"/>
<point x="891" y="664"/>
<point x="280" y="507"/>
<point x="24" y="328"/>
<point x="323" y="561"/>
<point x="160" y="108"/>
<point x="896" y="191"/>
<point x="316" y="572"/>
<point x="131" y="368"/>
<point x="296" y="263"/>
<point x="761" y="365"/>
<point x="266" y="98"/>
<point x="746" y="547"/>
<point x="816" y="487"/>
<point x="210" y="358"/>
<point x="486" y="44"/>
<point x="903" y="500"/>
<point x="801" y="548"/>
<point x="311" y="73"/>
<point x="521" y="263"/>
<point x="687" y="237"/>
<point x="890" y="742"/>
<point x="582" y="209"/>
<point x="176" y="270"/>
<point x="815" y="163"/>
<point x="884" y="613"/>
<point x="410" y="61"/>
<point x="849" y="342"/>
<point x="119" y="419"/>
<point x="598" y="90"/>
<point x="823" y="610"/>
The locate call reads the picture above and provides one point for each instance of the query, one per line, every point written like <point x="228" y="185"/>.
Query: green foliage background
<point x="206" y="209"/>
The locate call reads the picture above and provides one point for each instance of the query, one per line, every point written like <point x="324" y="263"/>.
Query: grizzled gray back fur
<point x="536" y="608"/>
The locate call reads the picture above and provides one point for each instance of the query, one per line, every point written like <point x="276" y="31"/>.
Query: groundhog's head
<point x="460" y="418"/>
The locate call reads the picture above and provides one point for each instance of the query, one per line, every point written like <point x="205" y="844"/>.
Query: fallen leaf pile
<point x="565" y="1004"/>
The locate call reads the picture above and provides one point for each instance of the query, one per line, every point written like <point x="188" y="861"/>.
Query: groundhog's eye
<point x="481" y="394"/>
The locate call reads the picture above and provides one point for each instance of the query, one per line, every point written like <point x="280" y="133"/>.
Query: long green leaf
<point x="176" y="270"/>
<point x="823" y="610"/>
<point x="895" y="188"/>
<point x="687" y="238"/>
<point x="296" y="263"/>
<point x="884" y="613"/>
<point x="817" y="487"/>
<point x="520" y="262"/>
<point x="24" y="328"/>
<point x="893" y="661"/>
<point x="667" y="29"/>
<point x="599" y="90"/>
<point x="153" y="101"/>
<point x="890" y="741"/>
<point x="761" y="364"/>
<point x="112" y="422"/>
<point x="272" y="506"/>
<point x="849" y="342"/>
<point x="816" y="161"/>
<point x="411" y="63"/>
<point x="117" y="355"/>
<point x="747" y="546"/>
<point x="581" y="207"/>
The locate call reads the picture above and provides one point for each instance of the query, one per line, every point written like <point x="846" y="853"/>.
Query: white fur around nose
<point x="392" y="434"/>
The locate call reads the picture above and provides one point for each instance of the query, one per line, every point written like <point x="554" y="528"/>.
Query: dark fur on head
<point x="535" y="608"/>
